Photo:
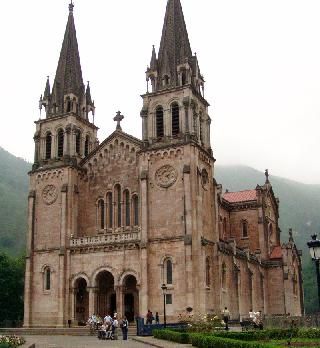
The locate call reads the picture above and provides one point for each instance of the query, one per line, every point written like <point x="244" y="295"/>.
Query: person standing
<point x="157" y="318"/>
<point x="124" y="328"/>
<point x="226" y="317"/>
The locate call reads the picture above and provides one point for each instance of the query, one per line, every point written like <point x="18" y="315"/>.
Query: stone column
<point x="62" y="252"/>
<point x="73" y="304"/>
<point x="186" y="104"/>
<point x="143" y="293"/>
<point x="29" y="262"/>
<point x="119" y="295"/>
<point x="36" y="139"/>
<point x="92" y="300"/>
<point x="144" y="116"/>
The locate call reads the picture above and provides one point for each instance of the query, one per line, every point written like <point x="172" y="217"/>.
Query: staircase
<point x="47" y="331"/>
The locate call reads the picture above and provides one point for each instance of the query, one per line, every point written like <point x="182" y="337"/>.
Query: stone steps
<point x="47" y="331"/>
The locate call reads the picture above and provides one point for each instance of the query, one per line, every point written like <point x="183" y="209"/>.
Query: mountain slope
<point x="13" y="202"/>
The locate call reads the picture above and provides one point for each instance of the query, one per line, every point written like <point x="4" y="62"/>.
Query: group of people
<point x="108" y="327"/>
<point x="255" y="317"/>
<point x="151" y="318"/>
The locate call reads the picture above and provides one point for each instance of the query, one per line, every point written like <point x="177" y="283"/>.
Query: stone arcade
<point x="110" y="222"/>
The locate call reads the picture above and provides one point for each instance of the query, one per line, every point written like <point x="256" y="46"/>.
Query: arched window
<point x="224" y="228"/>
<point x="47" y="279"/>
<point x="166" y="80"/>
<point x="135" y="202"/>
<point x="183" y="77"/>
<point x="68" y="104"/>
<point x="118" y="203"/>
<point x="159" y="122"/>
<point x="78" y="142"/>
<point x="201" y="130"/>
<point x="127" y="203"/>
<point x="86" y="146"/>
<point x="110" y="209"/>
<point x="60" y="142"/>
<point x="168" y="271"/>
<point x="175" y="119"/>
<point x="244" y="227"/>
<point x="48" y="145"/>
<point x="208" y="271"/>
<point x="101" y="214"/>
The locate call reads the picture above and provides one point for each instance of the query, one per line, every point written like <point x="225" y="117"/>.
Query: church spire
<point x="176" y="65"/>
<point x="68" y="92"/>
<point x="175" y="46"/>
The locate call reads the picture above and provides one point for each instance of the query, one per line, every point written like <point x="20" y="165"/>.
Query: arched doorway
<point x="106" y="297"/>
<point x="131" y="297"/>
<point x="82" y="301"/>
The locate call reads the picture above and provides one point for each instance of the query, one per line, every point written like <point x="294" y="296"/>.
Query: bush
<point x="11" y="341"/>
<point x="212" y="341"/>
<point x="174" y="336"/>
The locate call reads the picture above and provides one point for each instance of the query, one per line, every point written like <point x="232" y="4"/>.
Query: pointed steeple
<point x="175" y="46"/>
<point x="153" y="62"/>
<point x="68" y="80"/>
<point x="46" y="93"/>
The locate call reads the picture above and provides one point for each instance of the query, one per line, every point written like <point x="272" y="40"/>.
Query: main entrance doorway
<point x="130" y="298"/>
<point x="81" y="301"/>
<point x="106" y="297"/>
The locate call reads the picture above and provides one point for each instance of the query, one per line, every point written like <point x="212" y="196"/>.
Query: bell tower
<point x="175" y="110"/>
<point x="66" y="135"/>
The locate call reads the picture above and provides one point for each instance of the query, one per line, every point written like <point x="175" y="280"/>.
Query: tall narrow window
<point x="224" y="228"/>
<point x="127" y="203"/>
<point x="68" y="105"/>
<point x="168" y="266"/>
<point x="60" y="142"/>
<point x="47" y="280"/>
<point x="135" y="202"/>
<point x="48" y="145"/>
<point x="208" y="272"/>
<point x="224" y="276"/>
<point x="166" y="80"/>
<point x="175" y="119"/>
<point x="184" y="78"/>
<point x="110" y="209"/>
<point x="159" y="122"/>
<point x="244" y="229"/>
<point x="86" y="146"/>
<point x="78" y="142"/>
<point x="118" y="200"/>
<point x="101" y="214"/>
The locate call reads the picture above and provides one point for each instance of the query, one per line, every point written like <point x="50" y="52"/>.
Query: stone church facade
<point x="110" y="222"/>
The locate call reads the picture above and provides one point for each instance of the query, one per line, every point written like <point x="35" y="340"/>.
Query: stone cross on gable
<point x="118" y="118"/>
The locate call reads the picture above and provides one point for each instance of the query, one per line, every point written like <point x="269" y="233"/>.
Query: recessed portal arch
<point x="106" y="296"/>
<point x="131" y="297"/>
<point x="81" y="301"/>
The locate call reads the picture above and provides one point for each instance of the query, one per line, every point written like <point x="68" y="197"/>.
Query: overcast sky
<point x="260" y="60"/>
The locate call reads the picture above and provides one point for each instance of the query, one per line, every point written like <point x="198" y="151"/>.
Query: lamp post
<point x="314" y="248"/>
<point x="164" y="291"/>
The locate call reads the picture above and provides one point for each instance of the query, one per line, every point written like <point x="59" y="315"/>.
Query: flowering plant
<point x="201" y="322"/>
<point x="11" y="341"/>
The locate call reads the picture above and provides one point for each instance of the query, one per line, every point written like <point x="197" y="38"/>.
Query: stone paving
<point x="79" y="342"/>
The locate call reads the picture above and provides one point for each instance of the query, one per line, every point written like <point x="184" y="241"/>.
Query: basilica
<point x="121" y="225"/>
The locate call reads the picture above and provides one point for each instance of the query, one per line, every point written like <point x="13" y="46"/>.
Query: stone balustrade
<point x="106" y="239"/>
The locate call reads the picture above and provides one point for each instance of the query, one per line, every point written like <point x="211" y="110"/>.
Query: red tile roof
<point x="276" y="253"/>
<point x="240" y="196"/>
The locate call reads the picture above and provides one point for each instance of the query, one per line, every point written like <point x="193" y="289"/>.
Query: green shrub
<point x="212" y="341"/>
<point x="4" y="345"/>
<point x="170" y="335"/>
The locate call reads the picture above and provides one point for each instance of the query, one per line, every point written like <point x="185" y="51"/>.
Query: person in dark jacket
<point x="124" y="328"/>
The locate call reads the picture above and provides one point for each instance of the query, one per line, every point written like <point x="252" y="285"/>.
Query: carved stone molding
<point x="166" y="176"/>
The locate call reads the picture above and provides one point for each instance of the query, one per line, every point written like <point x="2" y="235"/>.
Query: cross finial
<point x="266" y="173"/>
<point x="71" y="6"/>
<point x="118" y="118"/>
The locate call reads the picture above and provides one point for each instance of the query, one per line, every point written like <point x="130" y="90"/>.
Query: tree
<point x="11" y="287"/>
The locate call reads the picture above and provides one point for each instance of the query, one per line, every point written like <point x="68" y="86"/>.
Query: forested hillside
<point x="13" y="202"/>
<point x="299" y="208"/>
